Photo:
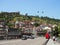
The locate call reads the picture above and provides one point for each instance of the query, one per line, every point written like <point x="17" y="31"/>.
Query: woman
<point x="47" y="35"/>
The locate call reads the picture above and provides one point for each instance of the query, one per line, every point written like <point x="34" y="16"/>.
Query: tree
<point x="55" y="32"/>
<point x="36" y="24"/>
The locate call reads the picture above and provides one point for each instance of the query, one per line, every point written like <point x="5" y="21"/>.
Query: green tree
<point x="36" y="24"/>
<point x="55" y="32"/>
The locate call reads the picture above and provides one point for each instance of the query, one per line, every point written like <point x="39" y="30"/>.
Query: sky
<point x="51" y="8"/>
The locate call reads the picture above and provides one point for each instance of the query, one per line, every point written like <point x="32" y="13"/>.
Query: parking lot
<point x="36" y="41"/>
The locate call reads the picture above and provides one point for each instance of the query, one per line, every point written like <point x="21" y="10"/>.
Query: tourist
<point x="47" y="35"/>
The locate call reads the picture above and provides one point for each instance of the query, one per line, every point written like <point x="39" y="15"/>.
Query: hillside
<point x="8" y="16"/>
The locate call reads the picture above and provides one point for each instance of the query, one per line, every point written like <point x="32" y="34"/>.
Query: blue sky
<point x="51" y="8"/>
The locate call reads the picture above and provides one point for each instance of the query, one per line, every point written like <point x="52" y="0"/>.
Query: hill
<point x="8" y="16"/>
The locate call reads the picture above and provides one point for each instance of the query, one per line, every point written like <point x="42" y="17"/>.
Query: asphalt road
<point x="36" y="41"/>
<point x="51" y="42"/>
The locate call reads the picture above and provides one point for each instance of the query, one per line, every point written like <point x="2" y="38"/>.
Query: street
<point x="51" y="42"/>
<point x="36" y="41"/>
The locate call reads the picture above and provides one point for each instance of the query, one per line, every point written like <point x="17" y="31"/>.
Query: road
<point x="36" y="41"/>
<point x="51" y="42"/>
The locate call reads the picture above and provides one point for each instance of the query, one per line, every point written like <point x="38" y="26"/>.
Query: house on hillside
<point x="43" y="28"/>
<point x="13" y="33"/>
<point x="27" y="28"/>
<point x="25" y="23"/>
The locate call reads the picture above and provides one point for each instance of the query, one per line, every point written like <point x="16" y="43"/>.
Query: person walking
<point x="47" y="36"/>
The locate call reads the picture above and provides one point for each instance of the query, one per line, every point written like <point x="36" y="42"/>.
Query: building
<point x="2" y="30"/>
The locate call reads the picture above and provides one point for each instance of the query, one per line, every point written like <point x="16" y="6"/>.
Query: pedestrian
<point x="54" y="39"/>
<point x="47" y="35"/>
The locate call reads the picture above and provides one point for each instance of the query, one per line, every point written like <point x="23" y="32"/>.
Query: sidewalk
<point x="58" y="40"/>
<point x="51" y="42"/>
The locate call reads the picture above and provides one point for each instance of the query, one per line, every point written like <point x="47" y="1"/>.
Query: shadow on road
<point x="46" y="42"/>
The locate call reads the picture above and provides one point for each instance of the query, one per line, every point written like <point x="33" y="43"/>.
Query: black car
<point x="24" y="37"/>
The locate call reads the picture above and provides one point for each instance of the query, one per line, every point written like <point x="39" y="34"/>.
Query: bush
<point x="36" y="24"/>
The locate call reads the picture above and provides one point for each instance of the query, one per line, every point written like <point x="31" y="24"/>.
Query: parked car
<point x="30" y="37"/>
<point x="24" y="37"/>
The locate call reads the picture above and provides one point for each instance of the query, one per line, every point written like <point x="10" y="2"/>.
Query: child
<point x="54" y="39"/>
